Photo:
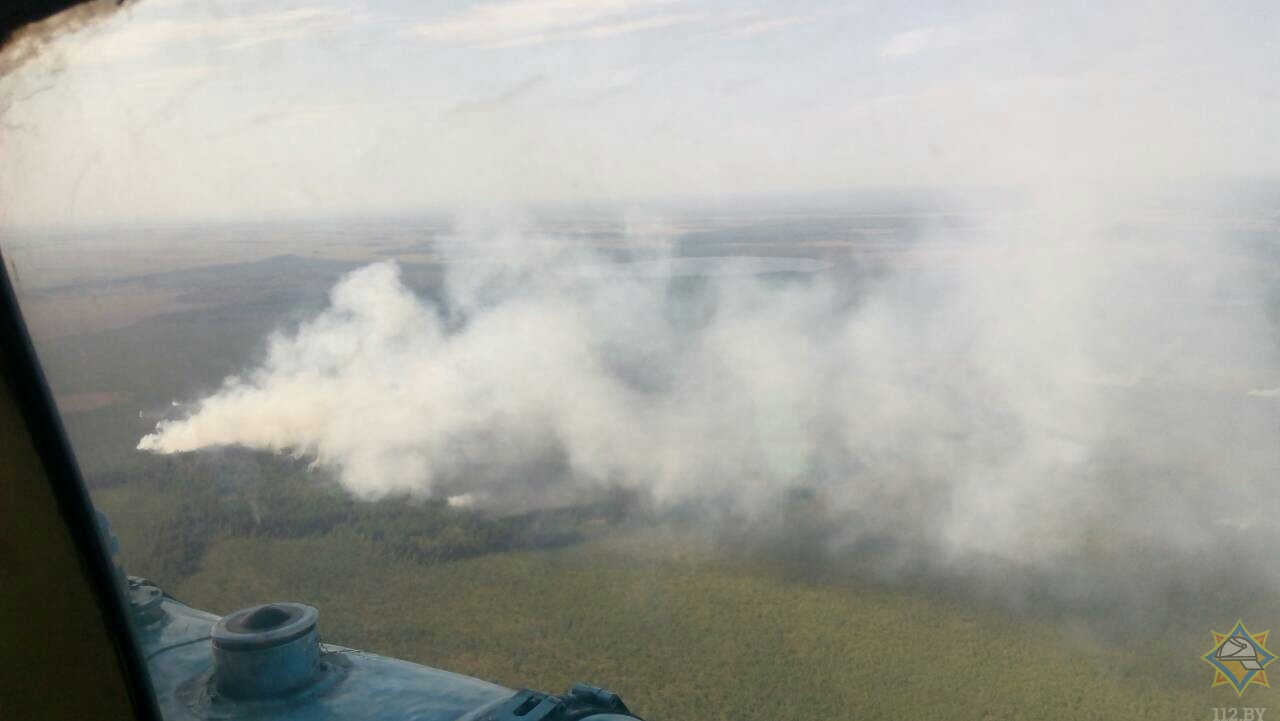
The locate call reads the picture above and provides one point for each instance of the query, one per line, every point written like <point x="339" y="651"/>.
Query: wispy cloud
<point x="606" y="30"/>
<point x="132" y="39"/>
<point x="515" y="23"/>
<point x="1265" y="393"/>
<point x="932" y="38"/>
<point x="512" y="23"/>
<point x="762" y="24"/>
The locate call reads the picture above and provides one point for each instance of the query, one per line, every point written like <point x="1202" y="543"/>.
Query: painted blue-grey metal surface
<point x="268" y="651"/>
<point x="178" y="643"/>
<point x="266" y="663"/>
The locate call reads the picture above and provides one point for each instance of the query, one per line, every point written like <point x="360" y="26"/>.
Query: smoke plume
<point x="1018" y="387"/>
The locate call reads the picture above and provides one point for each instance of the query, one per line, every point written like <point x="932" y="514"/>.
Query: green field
<point x="682" y="627"/>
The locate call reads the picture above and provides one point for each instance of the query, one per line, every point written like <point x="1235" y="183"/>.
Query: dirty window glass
<point x="783" y="360"/>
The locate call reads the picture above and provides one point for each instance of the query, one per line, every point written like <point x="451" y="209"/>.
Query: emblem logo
<point x="1239" y="658"/>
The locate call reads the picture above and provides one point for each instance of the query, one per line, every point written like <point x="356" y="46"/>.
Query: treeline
<point x="189" y="500"/>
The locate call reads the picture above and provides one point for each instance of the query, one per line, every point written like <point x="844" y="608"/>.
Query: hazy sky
<point x="199" y="108"/>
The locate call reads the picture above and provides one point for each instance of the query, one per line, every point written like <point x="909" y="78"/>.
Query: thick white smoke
<point x="1015" y="388"/>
